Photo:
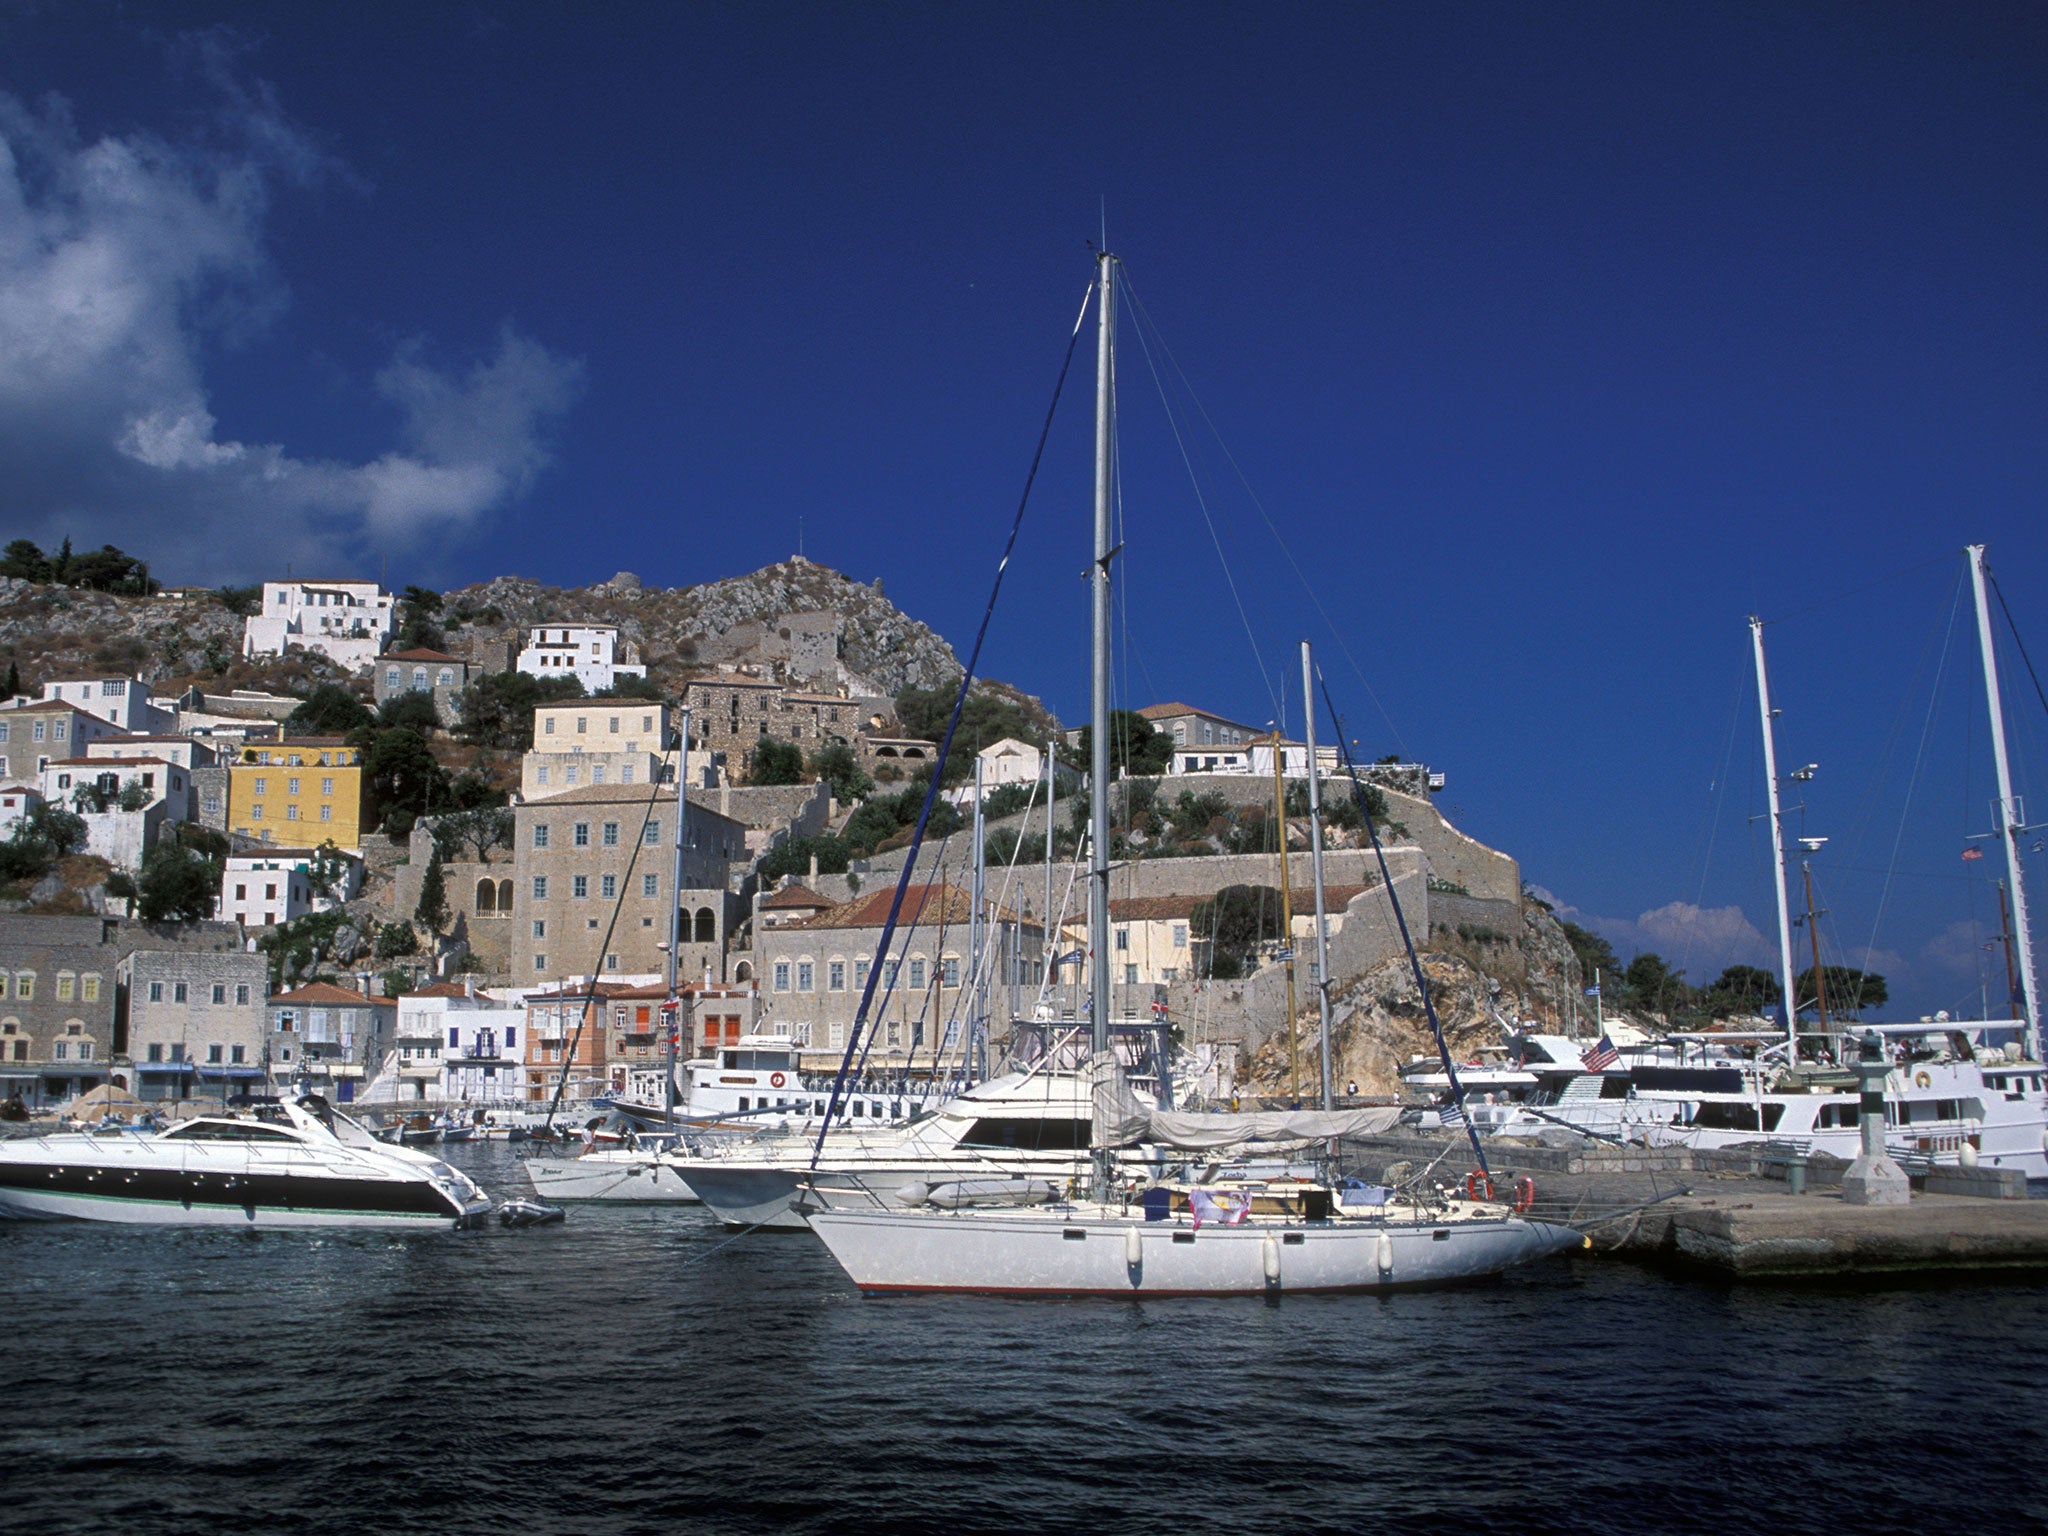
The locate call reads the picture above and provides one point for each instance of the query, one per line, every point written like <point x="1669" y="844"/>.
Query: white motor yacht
<point x="294" y="1163"/>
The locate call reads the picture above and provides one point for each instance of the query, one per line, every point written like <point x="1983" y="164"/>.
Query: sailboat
<point x="1122" y="1241"/>
<point x="1952" y="1098"/>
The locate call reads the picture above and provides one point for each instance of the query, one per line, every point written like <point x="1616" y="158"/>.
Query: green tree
<point x="777" y="762"/>
<point x="792" y="856"/>
<point x="497" y="709"/>
<point x="867" y="828"/>
<point x="330" y="710"/>
<point x="44" y="834"/>
<point x="403" y="774"/>
<point x="1849" y="991"/>
<point x="12" y="687"/>
<point x="628" y="685"/>
<point x="990" y="714"/>
<point x="1134" y="746"/>
<point x="121" y="886"/>
<point x="414" y="709"/>
<point x="482" y="827"/>
<point x="107" y="569"/>
<point x="1741" y="989"/>
<point x="432" y="911"/>
<point x="836" y="764"/>
<point x="328" y="869"/>
<point x="246" y="601"/>
<point x="414" y="616"/>
<point x="134" y="796"/>
<point x="1595" y="954"/>
<point x="25" y="561"/>
<point x="1236" y="921"/>
<point x="1654" y="985"/>
<point x="176" y="886"/>
<point x="395" y="940"/>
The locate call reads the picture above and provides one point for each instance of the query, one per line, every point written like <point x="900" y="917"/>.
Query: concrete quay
<point x="1731" y="1214"/>
<point x="1780" y="1236"/>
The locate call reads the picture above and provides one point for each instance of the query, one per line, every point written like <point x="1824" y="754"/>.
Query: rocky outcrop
<point x="682" y="630"/>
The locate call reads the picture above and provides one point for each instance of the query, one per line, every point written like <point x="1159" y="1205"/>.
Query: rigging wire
<point x="2016" y="640"/>
<point x="1315" y="601"/>
<point x="860" y="1017"/>
<point x="1180" y="440"/>
<point x="1829" y="602"/>
<point x="1947" y="633"/>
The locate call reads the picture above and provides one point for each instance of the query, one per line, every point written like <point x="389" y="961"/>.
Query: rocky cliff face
<point x="687" y="629"/>
<point x="51" y="632"/>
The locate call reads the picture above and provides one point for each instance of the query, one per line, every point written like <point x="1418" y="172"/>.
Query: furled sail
<point x="1204" y="1131"/>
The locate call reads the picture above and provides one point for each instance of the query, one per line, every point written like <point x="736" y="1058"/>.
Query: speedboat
<point x="644" y="1172"/>
<point x="294" y="1163"/>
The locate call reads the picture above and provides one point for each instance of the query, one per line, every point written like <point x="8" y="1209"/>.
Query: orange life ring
<point x="775" y="1079"/>
<point x="1525" y="1195"/>
<point x="1475" y="1181"/>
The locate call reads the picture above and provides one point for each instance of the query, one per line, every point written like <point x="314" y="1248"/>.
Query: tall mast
<point x="1820" y="984"/>
<point x="1763" y="703"/>
<point x="675" y="919"/>
<point x="1286" y="921"/>
<point x="2011" y="823"/>
<point x="1098" y="709"/>
<point x="1315" y="854"/>
<point x="977" y="931"/>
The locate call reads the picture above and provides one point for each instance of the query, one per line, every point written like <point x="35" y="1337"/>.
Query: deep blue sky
<point x="1554" y="341"/>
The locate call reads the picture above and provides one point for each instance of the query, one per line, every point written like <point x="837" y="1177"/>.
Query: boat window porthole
<point x="1074" y="1235"/>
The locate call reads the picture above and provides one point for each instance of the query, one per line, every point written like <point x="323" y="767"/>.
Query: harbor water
<point x="633" y="1371"/>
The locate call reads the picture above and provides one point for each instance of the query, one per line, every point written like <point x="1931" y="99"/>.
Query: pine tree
<point x="432" y="911"/>
<point x="13" y="687"/>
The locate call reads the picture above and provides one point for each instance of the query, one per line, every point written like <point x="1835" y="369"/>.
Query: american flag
<point x="1598" y="1058"/>
<point x="1973" y="853"/>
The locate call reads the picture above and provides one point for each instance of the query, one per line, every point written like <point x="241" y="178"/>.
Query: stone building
<point x="330" y="1037"/>
<point x="597" y="742"/>
<point x="812" y="973"/>
<point x="57" y="1006"/>
<point x="197" y="1025"/>
<point x="438" y="675"/>
<point x="32" y="736"/>
<point x="732" y="713"/>
<point x="593" y="884"/>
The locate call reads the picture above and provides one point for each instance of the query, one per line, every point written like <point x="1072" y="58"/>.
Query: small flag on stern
<point x="1594" y="990"/>
<point x="1973" y="853"/>
<point x="1598" y="1058"/>
<point x="1450" y="1113"/>
<point x="1229" y="1210"/>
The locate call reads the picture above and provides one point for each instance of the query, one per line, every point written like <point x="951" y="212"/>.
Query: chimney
<point x="469" y="984"/>
<point x="725" y="796"/>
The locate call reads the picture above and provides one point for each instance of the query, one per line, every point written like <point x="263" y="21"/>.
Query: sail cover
<point x="1122" y="1119"/>
<point x="1206" y="1131"/>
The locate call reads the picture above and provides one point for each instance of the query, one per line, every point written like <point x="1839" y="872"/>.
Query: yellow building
<point x="301" y="791"/>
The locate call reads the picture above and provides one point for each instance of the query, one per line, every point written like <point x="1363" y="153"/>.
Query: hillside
<point x="681" y="630"/>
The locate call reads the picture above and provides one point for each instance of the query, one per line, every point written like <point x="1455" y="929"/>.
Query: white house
<point x="261" y="889"/>
<point x="126" y="802"/>
<point x="1009" y="761"/>
<point x="188" y="752"/>
<point x="477" y="1035"/>
<point x="592" y="653"/>
<point x="17" y="798"/>
<point x="1255" y="758"/>
<point x="125" y="703"/>
<point x="350" y="621"/>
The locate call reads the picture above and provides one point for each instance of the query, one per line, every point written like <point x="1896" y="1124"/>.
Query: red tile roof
<point x="796" y="896"/>
<point x="326" y="993"/>
<point x="420" y="653"/>
<point x="929" y="905"/>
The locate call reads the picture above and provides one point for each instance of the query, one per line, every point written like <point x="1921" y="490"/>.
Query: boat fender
<point x="1269" y="1254"/>
<point x="1525" y="1195"/>
<point x="776" y="1079"/>
<point x="1922" y="1080"/>
<point x="1966" y="1155"/>
<point x="915" y="1193"/>
<point x="1134" y="1248"/>
<point x="1386" y="1253"/>
<point x="1476" y="1181"/>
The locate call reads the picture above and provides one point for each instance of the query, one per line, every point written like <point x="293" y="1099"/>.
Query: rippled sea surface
<point x="631" y="1371"/>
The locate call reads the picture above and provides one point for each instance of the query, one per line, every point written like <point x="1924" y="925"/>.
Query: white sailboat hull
<point x="1055" y="1254"/>
<point x="639" y="1177"/>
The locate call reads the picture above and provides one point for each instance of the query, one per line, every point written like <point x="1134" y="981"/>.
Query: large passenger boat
<point x="294" y="1163"/>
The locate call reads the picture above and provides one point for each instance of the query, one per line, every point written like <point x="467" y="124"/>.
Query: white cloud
<point x="122" y="261"/>
<point x="1701" y="941"/>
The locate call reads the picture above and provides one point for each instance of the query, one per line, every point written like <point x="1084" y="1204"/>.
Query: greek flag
<point x="1451" y="1113"/>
